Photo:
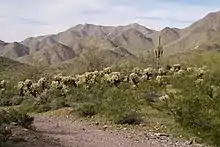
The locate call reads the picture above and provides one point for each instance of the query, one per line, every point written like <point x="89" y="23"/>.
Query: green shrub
<point x="196" y="108"/>
<point x="5" y="133"/>
<point x="9" y="98"/>
<point x="9" y="116"/>
<point x="28" y="105"/>
<point x="57" y="103"/>
<point x="21" y="118"/>
<point x="16" y="100"/>
<point x="118" y="104"/>
<point x="87" y="110"/>
<point x="5" y="98"/>
<point x="32" y="105"/>
<point x="49" y="95"/>
<point x="42" y="108"/>
<point x="128" y="118"/>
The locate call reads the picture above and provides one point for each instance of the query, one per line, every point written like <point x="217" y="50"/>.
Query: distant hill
<point x="112" y="42"/>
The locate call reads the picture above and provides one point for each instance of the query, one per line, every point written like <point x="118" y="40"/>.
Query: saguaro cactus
<point x="159" y="52"/>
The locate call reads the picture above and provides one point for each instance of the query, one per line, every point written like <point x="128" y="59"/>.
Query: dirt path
<point x="70" y="133"/>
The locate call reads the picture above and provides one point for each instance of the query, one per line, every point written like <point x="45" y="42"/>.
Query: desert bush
<point x="12" y="116"/>
<point x="196" y="108"/>
<point x="32" y="105"/>
<point x="11" y="99"/>
<point x="5" y="133"/>
<point x="5" y="98"/>
<point x="49" y="95"/>
<point x="20" y="118"/>
<point x="57" y="103"/>
<point x="128" y="118"/>
<point x="16" y="100"/>
<point x="118" y="103"/>
<point x="87" y="109"/>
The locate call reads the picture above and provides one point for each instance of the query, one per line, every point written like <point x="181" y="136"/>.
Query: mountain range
<point x="117" y="42"/>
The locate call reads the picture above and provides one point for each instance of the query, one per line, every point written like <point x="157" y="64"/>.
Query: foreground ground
<point x="67" y="132"/>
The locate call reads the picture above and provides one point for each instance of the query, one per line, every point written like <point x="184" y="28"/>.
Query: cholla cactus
<point x="101" y="73"/>
<point x="172" y="70"/>
<point x="159" y="79"/>
<point x="164" y="97"/>
<point x="204" y="68"/>
<point x="161" y="71"/>
<point x="137" y="71"/>
<point x="189" y="69"/>
<point x="92" y="79"/>
<point x="96" y="73"/>
<point x="106" y="78"/>
<point x="69" y="81"/>
<point x="42" y="80"/>
<point x="168" y="67"/>
<point x="134" y="86"/>
<point x="87" y="79"/>
<point x="3" y="84"/>
<point x="149" y="72"/>
<point x="28" y="83"/>
<point x="144" y="78"/>
<point x="55" y="84"/>
<point x="65" y="89"/>
<point x="34" y="89"/>
<point x="58" y="77"/>
<point x="199" y="81"/>
<point x="134" y="79"/>
<point x="80" y="80"/>
<point x="177" y="67"/>
<point x="126" y="78"/>
<point x="21" y="88"/>
<point x="199" y="72"/>
<point x="3" y="90"/>
<point x="107" y="70"/>
<point x="179" y="72"/>
<point x="214" y="91"/>
<point x="42" y="83"/>
<point x="114" y="78"/>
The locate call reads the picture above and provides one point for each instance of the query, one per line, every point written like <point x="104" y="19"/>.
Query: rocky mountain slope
<point x="197" y="34"/>
<point x="111" y="41"/>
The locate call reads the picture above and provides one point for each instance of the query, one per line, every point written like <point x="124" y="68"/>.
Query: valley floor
<point x="67" y="132"/>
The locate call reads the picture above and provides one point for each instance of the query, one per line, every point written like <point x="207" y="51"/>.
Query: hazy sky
<point x="20" y="19"/>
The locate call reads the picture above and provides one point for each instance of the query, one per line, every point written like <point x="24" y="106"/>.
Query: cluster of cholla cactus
<point x="106" y="76"/>
<point x="29" y="87"/>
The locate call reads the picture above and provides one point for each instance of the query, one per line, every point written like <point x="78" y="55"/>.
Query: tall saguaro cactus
<point x="159" y="52"/>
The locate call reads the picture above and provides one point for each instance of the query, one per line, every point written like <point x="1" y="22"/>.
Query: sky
<point x="20" y="19"/>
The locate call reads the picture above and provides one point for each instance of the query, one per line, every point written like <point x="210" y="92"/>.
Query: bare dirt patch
<point x="73" y="133"/>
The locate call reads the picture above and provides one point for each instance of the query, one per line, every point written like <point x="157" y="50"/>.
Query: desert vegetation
<point x="188" y="94"/>
<point x="101" y="73"/>
<point x="182" y="94"/>
<point x="10" y="118"/>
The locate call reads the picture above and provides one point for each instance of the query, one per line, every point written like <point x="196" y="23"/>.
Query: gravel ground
<point x="67" y="132"/>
